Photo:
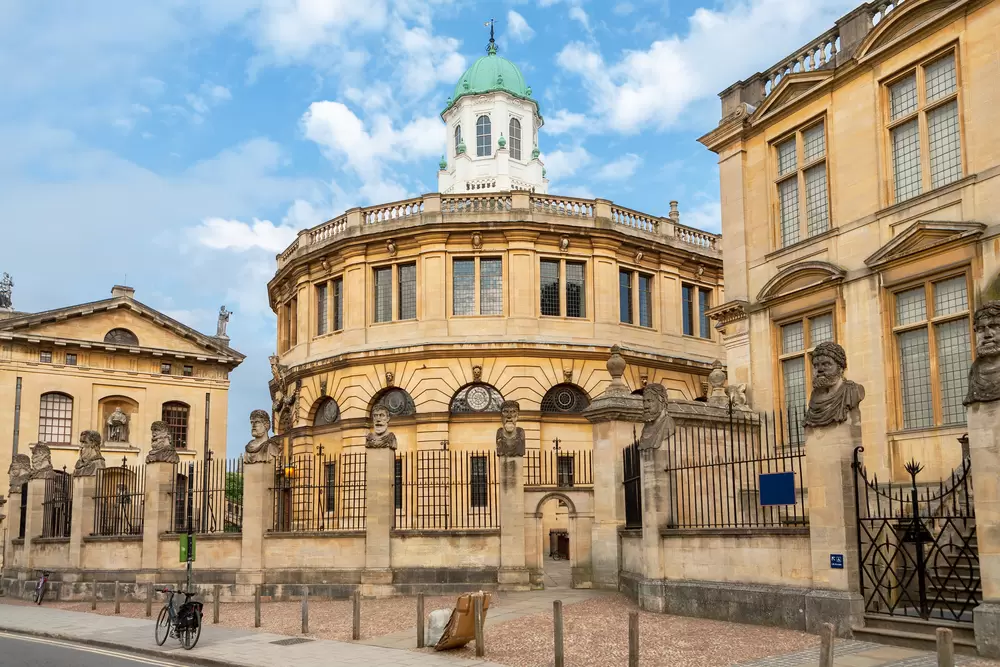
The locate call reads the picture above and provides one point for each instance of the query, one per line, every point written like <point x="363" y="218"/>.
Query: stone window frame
<point x="458" y="137"/>
<point x="930" y="322"/>
<point x="796" y="437"/>
<point x="635" y="307"/>
<point x="585" y="304"/>
<point x="322" y="292"/>
<point x="477" y="285"/>
<point x="288" y="325"/>
<point x="918" y="68"/>
<point x="394" y="289"/>
<point x="515" y="140"/>
<point x="172" y="412"/>
<point x="333" y="320"/>
<point x="798" y="173"/>
<point x="55" y="417"/>
<point x="486" y="145"/>
<point x="700" y="318"/>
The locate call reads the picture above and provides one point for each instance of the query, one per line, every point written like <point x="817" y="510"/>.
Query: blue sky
<point x="182" y="143"/>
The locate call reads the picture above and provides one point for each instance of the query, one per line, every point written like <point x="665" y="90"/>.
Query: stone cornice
<point x="624" y="408"/>
<point x="729" y="312"/>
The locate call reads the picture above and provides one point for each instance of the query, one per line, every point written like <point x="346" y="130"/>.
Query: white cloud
<point x="426" y="59"/>
<point x="707" y="216"/>
<point x="209" y="95"/>
<point x="296" y="29"/>
<point x="580" y="191"/>
<point x="653" y="87"/>
<point x="624" y="8"/>
<point x="222" y="234"/>
<point x="518" y="27"/>
<point x="563" y="121"/>
<point x="577" y="14"/>
<point x="562" y="164"/>
<point x="620" y="169"/>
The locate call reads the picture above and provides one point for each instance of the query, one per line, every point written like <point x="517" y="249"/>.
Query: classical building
<point x="859" y="182"/>
<point x="114" y="366"/>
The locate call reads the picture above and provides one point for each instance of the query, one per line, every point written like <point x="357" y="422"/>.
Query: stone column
<point x="258" y="513"/>
<point x="983" y="413"/>
<point x="376" y="580"/>
<point x="613" y="416"/>
<point x="160" y="477"/>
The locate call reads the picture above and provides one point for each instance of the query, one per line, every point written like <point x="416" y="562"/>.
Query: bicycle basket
<point x="188" y="614"/>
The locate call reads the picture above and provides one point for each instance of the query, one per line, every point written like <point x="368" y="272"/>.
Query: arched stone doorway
<point x="548" y="542"/>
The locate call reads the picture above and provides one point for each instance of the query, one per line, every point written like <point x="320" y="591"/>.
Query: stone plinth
<point x="984" y="452"/>
<point x="376" y="580"/>
<point x="656" y="494"/>
<point x="12" y="523"/>
<point x="82" y="523"/>
<point x="258" y="511"/>
<point x="157" y="511"/>
<point x="513" y="575"/>
<point x="35" y="518"/>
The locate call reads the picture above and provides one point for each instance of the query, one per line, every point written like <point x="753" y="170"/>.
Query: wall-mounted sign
<point x="777" y="488"/>
<point x="837" y="561"/>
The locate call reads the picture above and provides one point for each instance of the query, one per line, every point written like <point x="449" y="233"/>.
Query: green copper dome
<point x="489" y="74"/>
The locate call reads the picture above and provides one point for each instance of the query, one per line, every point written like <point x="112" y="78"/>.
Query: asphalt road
<point x="20" y="651"/>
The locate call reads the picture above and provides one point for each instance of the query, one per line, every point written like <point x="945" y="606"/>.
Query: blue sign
<point x="837" y="561"/>
<point x="777" y="488"/>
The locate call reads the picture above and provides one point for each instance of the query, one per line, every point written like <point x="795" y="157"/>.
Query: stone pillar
<point x="82" y="522"/>
<point x="656" y="492"/>
<point x="376" y="580"/>
<point x="258" y="513"/>
<point x="33" y="523"/>
<point x="160" y="477"/>
<point x="513" y="575"/>
<point x="13" y="522"/>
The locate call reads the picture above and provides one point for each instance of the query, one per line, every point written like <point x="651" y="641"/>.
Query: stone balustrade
<point x="696" y="237"/>
<point x="812" y="56"/>
<point x="633" y="219"/>
<point x="476" y="203"/>
<point x="570" y="206"/>
<point x="328" y="230"/>
<point x="394" y="211"/>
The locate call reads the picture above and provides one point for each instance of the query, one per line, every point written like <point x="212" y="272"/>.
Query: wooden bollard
<point x="149" y="599"/>
<point x="256" y="607"/>
<point x="480" y="640"/>
<point x="826" y="635"/>
<point x="420" y="620"/>
<point x="633" y="639"/>
<point x="557" y="621"/>
<point x="305" y="613"/>
<point x="118" y="601"/>
<point x="945" y="648"/>
<point x="216" y="593"/>
<point x="93" y="598"/>
<point x="356" y="620"/>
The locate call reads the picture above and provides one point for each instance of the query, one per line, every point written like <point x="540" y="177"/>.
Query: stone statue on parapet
<point x="510" y="436"/>
<point x="984" y="375"/>
<point x="380" y="436"/>
<point x="118" y="426"/>
<point x="19" y="471"/>
<point x="162" y="449"/>
<point x="41" y="461"/>
<point x="91" y="460"/>
<point x="833" y="397"/>
<point x="220" y="327"/>
<point x="659" y="425"/>
<point x="283" y="404"/>
<point x="262" y="448"/>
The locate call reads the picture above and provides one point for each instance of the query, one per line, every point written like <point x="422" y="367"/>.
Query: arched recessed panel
<point x="476" y="397"/>
<point x="327" y="412"/>
<point x="121" y="336"/>
<point x="397" y="401"/>
<point x="565" y="398"/>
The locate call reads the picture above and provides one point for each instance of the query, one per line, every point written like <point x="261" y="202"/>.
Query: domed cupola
<point x="492" y="112"/>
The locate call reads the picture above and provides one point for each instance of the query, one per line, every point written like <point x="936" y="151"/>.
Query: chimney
<point x="123" y="290"/>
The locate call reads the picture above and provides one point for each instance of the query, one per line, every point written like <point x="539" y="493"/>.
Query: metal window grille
<point x="813" y="143"/>
<point x="484" y="143"/>
<point x="120" y="500"/>
<point x="555" y="469"/>
<point x="954" y="357"/>
<point x="940" y="79"/>
<point x="944" y="144"/>
<point x="57" y="505"/>
<point x="121" y="336"/>
<point x="308" y="499"/>
<point x="214" y="490"/>
<point x="397" y="401"/>
<point x="176" y="414"/>
<point x="911" y="306"/>
<point x="383" y="294"/>
<point x="576" y="292"/>
<point x="322" y="308"/>
<point x="788" y="203"/>
<point x="625" y="296"/>
<point x="906" y="160"/>
<point x="407" y="291"/>
<point x="24" y="511"/>
<point x="550" y="287"/>
<point x="951" y="296"/>
<point x="794" y="373"/>
<point x="632" y="483"/>
<point x="820" y="329"/>
<point x="915" y="378"/>
<point x="463" y="281"/>
<point x="442" y="490"/>
<point x="476" y="397"/>
<point x="787" y="160"/>
<point x="817" y="206"/>
<point x="338" y="304"/>
<point x="687" y="308"/>
<point x="55" y="419"/>
<point x="645" y="300"/>
<point x="397" y="483"/>
<point x="715" y="471"/>
<point x="903" y="97"/>
<point x="491" y="286"/>
<point x="565" y="398"/>
<point x="515" y="139"/>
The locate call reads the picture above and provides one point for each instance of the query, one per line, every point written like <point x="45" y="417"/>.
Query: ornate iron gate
<point x="917" y="545"/>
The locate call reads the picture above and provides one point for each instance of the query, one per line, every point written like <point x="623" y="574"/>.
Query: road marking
<point x="90" y="649"/>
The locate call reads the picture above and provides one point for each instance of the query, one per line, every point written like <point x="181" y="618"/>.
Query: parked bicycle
<point x="40" y="587"/>
<point x="183" y="623"/>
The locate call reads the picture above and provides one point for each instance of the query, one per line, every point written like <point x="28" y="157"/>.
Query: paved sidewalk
<point x="848" y="653"/>
<point x="217" y="645"/>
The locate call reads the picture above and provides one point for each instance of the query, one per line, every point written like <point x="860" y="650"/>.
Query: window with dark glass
<point x="515" y="138"/>
<point x="165" y="368"/>
<point x="322" y="309"/>
<point x="175" y="414"/>
<point x="188" y="371"/>
<point x="338" y="304"/>
<point x="383" y="294"/>
<point x="491" y="286"/>
<point x="407" y="291"/>
<point x="484" y="142"/>
<point x="70" y="359"/>
<point x="564" y="470"/>
<point x="479" y="481"/>
<point x="464" y="287"/>
<point x="55" y="418"/>
<point x="695" y="302"/>
<point x="550" y="287"/>
<point x="458" y="137"/>
<point x="645" y="300"/>
<point x="330" y="478"/>
<point x="397" y="484"/>
<point x="45" y="357"/>
<point x="625" y="296"/>
<point x="576" y="305"/>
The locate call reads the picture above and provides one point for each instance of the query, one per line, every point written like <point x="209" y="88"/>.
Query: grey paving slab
<point x="848" y="653"/>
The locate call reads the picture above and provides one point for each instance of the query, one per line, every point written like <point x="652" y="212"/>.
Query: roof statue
<point x="6" y="292"/>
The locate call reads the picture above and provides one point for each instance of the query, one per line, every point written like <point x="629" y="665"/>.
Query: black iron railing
<point x="558" y="468"/>
<point x="632" y="481"/>
<point x="57" y="505"/>
<point x="24" y="511"/>
<point x="717" y="470"/>
<point x="214" y="488"/>
<point x="120" y="500"/>
<point x="317" y="492"/>
<point x="444" y="490"/>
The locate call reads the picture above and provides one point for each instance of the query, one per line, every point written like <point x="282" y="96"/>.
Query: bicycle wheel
<point x="162" y="630"/>
<point x="191" y="634"/>
<point x="39" y="594"/>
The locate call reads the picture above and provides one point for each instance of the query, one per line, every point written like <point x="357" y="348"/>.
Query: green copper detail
<point x="501" y="142"/>
<point x="490" y="73"/>
<point x="443" y="163"/>
<point x="543" y="172"/>
<point x="535" y="153"/>
<point x="461" y="147"/>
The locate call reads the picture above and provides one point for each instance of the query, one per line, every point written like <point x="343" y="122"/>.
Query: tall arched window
<point x="565" y="398"/>
<point x="397" y="401"/>
<point x="484" y="142"/>
<point x="121" y="337"/>
<point x="515" y="138"/>
<point x="476" y="397"/>
<point x="458" y="137"/>
<point x="176" y="414"/>
<point x="55" y="418"/>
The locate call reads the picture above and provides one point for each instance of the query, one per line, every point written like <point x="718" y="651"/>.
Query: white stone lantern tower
<point x="491" y="123"/>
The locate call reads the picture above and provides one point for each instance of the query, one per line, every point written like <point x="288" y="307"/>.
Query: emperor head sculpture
<point x="380" y="436"/>
<point x="91" y="459"/>
<point x="261" y="448"/>
<point x="162" y="448"/>
<point x="510" y="436"/>
<point x="659" y="425"/>
<point x="41" y="460"/>
<point x="833" y="397"/>
<point x="984" y="375"/>
<point x="19" y="471"/>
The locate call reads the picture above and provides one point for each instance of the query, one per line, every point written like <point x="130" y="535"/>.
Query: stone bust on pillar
<point x="19" y="471"/>
<point x="161" y="449"/>
<point x="41" y="461"/>
<point x="510" y="436"/>
<point x="262" y="448"/>
<point x="380" y="437"/>
<point x="833" y="397"/>
<point x="984" y="375"/>
<point x="659" y="425"/>
<point x="91" y="459"/>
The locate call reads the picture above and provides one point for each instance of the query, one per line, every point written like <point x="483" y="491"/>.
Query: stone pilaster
<point x="82" y="523"/>
<point x="984" y="452"/>
<point x="157" y="511"/>
<point x="376" y="579"/>
<point x="258" y="511"/>
<point x="13" y="522"/>
<point x="513" y="575"/>
<point x="33" y="523"/>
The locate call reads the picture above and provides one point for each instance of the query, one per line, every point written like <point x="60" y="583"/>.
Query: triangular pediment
<point x="791" y="87"/>
<point x="901" y="21"/>
<point x="923" y="236"/>
<point x="799" y="278"/>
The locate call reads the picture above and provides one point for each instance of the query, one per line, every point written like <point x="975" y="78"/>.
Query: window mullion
<point x="932" y="353"/>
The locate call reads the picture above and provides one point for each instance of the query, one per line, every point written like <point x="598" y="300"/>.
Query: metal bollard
<point x="305" y="613"/>
<point x="256" y="607"/>
<point x="149" y="599"/>
<point x="633" y="639"/>
<point x="420" y="620"/>
<point x="945" y="648"/>
<point x="216" y="593"/>
<point x="118" y="602"/>
<point x="480" y="640"/>
<point x="557" y="621"/>
<point x="826" y="635"/>
<point x="356" y="621"/>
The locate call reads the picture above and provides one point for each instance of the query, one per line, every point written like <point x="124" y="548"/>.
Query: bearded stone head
<point x="509" y="412"/>
<point x="90" y="439"/>
<point x="380" y="419"/>
<point x="987" y="325"/>
<point x="41" y="456"/>
<point x="829" y="361"/>
<point x="654" y="401"/>
<point x="260" y="423"/>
